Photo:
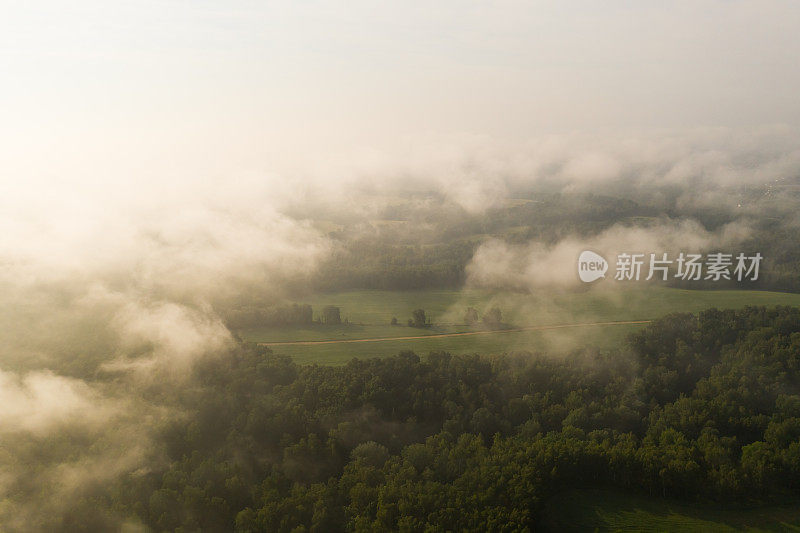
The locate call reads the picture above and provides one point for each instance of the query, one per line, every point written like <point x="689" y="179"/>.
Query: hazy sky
<point x="167" y="81"/>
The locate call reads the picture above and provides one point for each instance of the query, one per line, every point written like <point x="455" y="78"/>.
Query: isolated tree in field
<point x="493" y="317"/>
<point x="471" y="316"/>
<point x="394" y="321"/>
<point x="418" y="315"/>
<point x="331" y="315"/>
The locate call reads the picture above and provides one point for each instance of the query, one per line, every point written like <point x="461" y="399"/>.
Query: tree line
<point x="282" y="315"/>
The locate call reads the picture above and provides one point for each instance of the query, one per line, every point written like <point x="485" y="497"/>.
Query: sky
<point x="120" y="117"/>
<point x="256" y="86"/>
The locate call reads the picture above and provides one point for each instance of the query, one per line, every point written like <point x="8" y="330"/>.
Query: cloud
<point x="535" y="265"/>
<point x="39" y="401"/>
<point x="109" y="291"/>
<point x="63" y="438"/>
<point x="167" y="338"/>
<point x="113" y="281"/>
<point x="688" y="168"/>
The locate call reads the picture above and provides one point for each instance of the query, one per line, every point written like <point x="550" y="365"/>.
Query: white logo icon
<point x="591" y="266"/>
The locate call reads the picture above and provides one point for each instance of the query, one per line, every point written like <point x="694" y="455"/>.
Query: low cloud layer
<point x="691" y="168"/>
<point x="39" y="401"/>
<point x="114" y="284"/>
<point x="499" y="265"/>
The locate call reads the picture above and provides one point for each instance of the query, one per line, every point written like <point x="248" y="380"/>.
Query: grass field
<point x="370" y="313"/>
<point x="603" y="510"/>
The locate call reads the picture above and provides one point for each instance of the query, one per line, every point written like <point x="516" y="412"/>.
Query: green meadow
<point x="370" y="312"/>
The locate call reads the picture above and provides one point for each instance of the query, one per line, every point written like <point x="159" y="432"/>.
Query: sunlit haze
<point x="316" y="266"/>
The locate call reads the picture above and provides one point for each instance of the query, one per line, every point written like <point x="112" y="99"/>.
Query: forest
<point x="699" y="407"/>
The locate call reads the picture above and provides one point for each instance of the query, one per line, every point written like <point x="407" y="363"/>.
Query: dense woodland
<point x="698" y="407"/>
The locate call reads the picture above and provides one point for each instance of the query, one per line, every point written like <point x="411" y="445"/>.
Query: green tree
<point x="331" y="315"/>
<point x="493" y="317"/>
<point x="418" y="317"/>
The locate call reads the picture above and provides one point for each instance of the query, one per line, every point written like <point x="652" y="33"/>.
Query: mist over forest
<point x="129" y="400"/>
<point x="313" y="267"/>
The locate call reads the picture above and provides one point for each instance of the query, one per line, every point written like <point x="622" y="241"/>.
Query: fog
<point x="161" y="162"/>
<point x="113" y="286"/>
<point x="534" y="265"/>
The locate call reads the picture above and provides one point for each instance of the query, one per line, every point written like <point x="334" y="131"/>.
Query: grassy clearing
<point x="549" y="340"/>
<point x="371" y="311"/>
<point x="603" y="510"/>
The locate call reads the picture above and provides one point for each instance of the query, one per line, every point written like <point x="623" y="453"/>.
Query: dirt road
<point x="460" y="334"/>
